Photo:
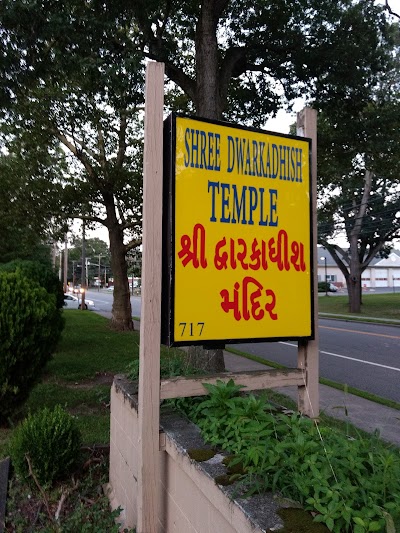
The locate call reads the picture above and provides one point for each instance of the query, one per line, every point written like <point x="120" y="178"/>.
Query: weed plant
<point x="79" y="506"/>
<point x="172" y="364"/>
<point x="353" y="485"/>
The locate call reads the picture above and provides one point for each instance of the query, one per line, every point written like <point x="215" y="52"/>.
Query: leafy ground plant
<point x="77" y="505"/>
<point x="172" y="363"/>
<point x="352" y="485"/>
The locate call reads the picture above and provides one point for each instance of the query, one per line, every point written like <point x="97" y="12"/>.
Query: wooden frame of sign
<point x="151" y="389"/>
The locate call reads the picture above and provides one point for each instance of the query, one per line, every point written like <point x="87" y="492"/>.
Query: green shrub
<point x="51" y="440"/>
<point x="40" y="273"/>
<point x="30" y="328"/>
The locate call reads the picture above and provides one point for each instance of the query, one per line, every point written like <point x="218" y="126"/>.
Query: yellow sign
<point x="241" y="234"/>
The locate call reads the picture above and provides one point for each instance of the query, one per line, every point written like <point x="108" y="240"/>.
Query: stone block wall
<point x="190" y="499"/>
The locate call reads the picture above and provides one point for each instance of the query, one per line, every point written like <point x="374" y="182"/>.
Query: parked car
<point x="72" y="302"/>
<point x="323" y="287"/>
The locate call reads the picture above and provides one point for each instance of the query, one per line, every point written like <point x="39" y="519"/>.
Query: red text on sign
<point x="249" y="300"/>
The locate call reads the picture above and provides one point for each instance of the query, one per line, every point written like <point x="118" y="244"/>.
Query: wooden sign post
<point x="308" y="350"/>
<point x="150" y="323"/>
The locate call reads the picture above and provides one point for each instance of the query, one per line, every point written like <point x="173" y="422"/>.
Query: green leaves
<point x="46" y="445"/>
<point x="351" y="485"/>
<point x="30" y="327"/>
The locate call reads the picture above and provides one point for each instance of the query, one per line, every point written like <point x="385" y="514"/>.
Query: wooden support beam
<point x="150" y="324"/>
<point x="308" y="351"/>
<point x="182" y="387"/>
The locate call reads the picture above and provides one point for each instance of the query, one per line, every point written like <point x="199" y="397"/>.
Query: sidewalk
<point x="358" y="318"/>
<point x="364" y="414"/>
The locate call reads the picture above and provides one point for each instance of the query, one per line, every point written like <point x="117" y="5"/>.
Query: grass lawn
<point x="89" y="348"/>
<point x="80" y="375"/>
<point x="374" y="305"/>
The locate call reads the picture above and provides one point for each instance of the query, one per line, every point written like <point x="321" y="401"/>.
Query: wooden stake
<point x="308" y="351"/>
<point x="150" y="323"/>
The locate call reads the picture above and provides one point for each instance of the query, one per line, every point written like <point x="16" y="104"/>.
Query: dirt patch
<point x="100" y="378"/>
<point x="66" y="506"/>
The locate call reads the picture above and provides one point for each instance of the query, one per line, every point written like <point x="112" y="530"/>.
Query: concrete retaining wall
<point x="190" y="499"/>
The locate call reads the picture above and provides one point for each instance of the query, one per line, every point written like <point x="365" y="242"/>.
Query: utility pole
<point x="60" y="264"/>
<point x="87" y="272"/>
<point x="83" y="278"/>
<point x="65" y="263"/>
<point x="326" y="275"/>
<point x="73" y="273"/>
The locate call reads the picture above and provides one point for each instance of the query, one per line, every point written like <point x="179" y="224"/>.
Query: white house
<point x="380" y="272"/>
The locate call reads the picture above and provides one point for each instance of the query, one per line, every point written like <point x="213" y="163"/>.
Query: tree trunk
<point x="207" y="82"/>
<point x="354" y="281"/>
<point x="206" y="360"/>
<point x="121" y="309"/>
<point x="207" y="106"/>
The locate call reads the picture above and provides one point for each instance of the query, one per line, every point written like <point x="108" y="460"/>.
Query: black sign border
<point x="168" y="232"/>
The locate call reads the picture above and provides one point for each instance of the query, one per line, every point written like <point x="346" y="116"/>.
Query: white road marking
<point x="350" y="358"/>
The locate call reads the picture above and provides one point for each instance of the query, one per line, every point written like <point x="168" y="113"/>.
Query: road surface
<point x="365" y="356"/>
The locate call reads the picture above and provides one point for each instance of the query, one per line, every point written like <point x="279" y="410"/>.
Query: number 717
<point x="193" y="328"/>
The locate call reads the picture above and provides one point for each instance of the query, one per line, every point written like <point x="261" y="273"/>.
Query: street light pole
<point x="87" y="272"/>
<point x="326" y="277"/>
<point x="99" y="282"/>
<point x="73" y="273"/>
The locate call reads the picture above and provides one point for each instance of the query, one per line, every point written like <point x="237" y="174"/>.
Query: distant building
<point x="380" y="272"/>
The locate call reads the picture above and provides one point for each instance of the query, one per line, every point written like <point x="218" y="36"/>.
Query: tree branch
<point x="391" y="10"/>
<point x="373" y="250"/>
<point x="88" y="218"/>
<point x="133" y="244"/>
<point x="102" y="150"/>
<point x="42" y="492"/>
<point x="219" y="6"/>
<point x="130" y="225"/>
<point x="161" y="28"/>
<point x="332" y="249"/>
<point x="82" y="144"/>
<point x="121" y="140"/>
<point x="80" y="156"/>
<point x="187" y="84"/>
<point x="355" y="231"/>
<point x="233" y="64"/>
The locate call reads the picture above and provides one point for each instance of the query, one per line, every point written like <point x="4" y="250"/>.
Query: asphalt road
<point x="103" y="300"/>
<point x="365" y="356"/>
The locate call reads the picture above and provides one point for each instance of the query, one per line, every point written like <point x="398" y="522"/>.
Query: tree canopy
<point x="27" y="220"/>
<point x="71" y="75"/>
<point x="359" y="177"/>
<point x="67" y="81"/>
<point x="244" y="60"/>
